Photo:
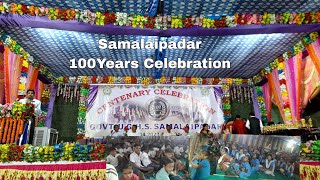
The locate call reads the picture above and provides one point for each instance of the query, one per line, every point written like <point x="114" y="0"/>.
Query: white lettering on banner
<point x="152" y="108"/>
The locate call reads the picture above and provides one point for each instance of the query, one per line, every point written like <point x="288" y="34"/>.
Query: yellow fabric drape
<point x="315" y="59"/>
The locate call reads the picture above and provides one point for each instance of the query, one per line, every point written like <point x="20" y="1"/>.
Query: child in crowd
<point x="283" y="167"/>
<point x="239" y="156"/>
<point x="224" y="161"/>
<point x="113" y="159"/>
<point x="203" y="166"/>
<point x="255" y="164"/>
<point x="127" y="173"/>
<point x="167" y="170"/>
<point x="269" y="166"/>
<point x="290" y="169"/>
<point x="234" y="151"/>
<point x="244" y="170"/>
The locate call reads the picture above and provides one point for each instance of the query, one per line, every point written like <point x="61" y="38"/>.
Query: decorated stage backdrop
<point x="152" y="108"/>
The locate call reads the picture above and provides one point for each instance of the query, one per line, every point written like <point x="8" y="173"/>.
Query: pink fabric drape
<point x="267" y="97"/>
<point x="291" y="74"/>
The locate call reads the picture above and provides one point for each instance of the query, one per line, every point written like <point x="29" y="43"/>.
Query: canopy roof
<point x="249" y="48"/>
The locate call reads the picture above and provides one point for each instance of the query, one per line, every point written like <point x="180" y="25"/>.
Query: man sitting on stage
<point x="29" y="98"/>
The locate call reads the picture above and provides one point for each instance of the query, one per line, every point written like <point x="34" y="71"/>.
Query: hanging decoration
<point x="226" y="102"/>
<point x="298" y="47"/>
<point x="149" y="80"/>
<point x="23" y="77"/>
<point x="68" y="92"/>
<point x="284" y="92"/>
<point x="84" y="93"/>
<point x="45" y="98"/>
<point x="25" y="57"/>
<point x="161" y="22"/>
<point x="261" y="103"/>
<point x="241" y="93"/>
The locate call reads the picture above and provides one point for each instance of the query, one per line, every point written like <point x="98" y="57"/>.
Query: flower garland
<point x="226" y="102"/>
<point x="26" y="57"/>
<point x="10" y="129"/>
<point x="58" y="152"/>
<point x="123" y="19"/>
<point x="262" y="105"/>
<point x="298" y="47"/>
<point x="284" y="92"/>
<point x="149" y="80"/>
<point x="84" y="93"/>
<point x="23" y="77"/>
<point x="45" y="98"/>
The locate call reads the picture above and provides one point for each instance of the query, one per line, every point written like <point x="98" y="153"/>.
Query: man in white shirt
<point x="29" y="98"/>
<point x="136" y="160"/>
<point x="112" y="159"/>
<point x="168" y="131"/>
<point x="133" y="131"/>
<point x="116" y="131"/>
<point x="254" y="125"/>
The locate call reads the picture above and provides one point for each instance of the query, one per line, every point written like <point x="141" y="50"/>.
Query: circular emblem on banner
<point x="157" y="108"/>
<point x="106" y="90"/>
<point x="205" y="92"/>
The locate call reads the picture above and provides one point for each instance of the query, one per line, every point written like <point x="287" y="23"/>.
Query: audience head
<point x="254" y="156"/>
<point x="134" y="128"/>
<point x="168" y="164"/>
<point x="237" y="116"/>
<point x="127" y="171"/>
<point x="205" y="127"/>
<point x="245" y="158"/>
<point x="251" y="114"/>
<point x="137" y="148"/>
<point x="223" y="150"/>
<point x="113" y="151"/>
<point x="168" y="152"/>
<point x="269" y="157"/>
<point x="204" y="154"/>
<point x="116" y="128"/>
<point x="168" y="127"/>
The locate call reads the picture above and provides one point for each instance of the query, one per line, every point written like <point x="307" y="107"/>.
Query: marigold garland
<point x="284" y="92"/>
<point x="161" y="22"/>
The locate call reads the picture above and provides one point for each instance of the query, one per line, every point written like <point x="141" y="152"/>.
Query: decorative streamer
<point x="284" y="93"/>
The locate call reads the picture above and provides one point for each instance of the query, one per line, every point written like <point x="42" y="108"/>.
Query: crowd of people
<point x="143" y="158"/>
<point x="242" y="161"/>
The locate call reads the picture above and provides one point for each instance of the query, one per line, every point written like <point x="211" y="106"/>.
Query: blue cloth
<point x="290" y="171"/>
<point x="25" y="134"/>
<point x="203" y="172"/>
<point x="233" y="153"/>
<point x="247" y="172"/>
<point x="255" y="165"/>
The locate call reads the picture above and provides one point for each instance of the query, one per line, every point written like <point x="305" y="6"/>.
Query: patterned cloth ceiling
<point x="183" y="7"/>
<point x="248" y="54"/>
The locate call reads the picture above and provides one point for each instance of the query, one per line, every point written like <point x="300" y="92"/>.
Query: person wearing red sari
<point x="239" y="126"/>
<point x="227" y="127"/>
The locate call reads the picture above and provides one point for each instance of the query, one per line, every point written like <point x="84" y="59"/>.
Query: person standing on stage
<point x="29" y="98"/>
<point x="254" y="125"/>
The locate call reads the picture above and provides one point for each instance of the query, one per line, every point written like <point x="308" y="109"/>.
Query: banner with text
<point x="152" y="108"/>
